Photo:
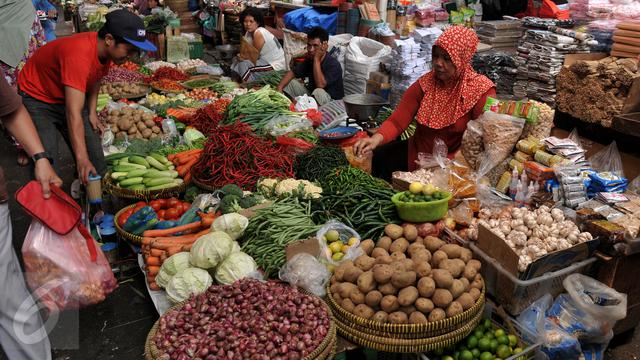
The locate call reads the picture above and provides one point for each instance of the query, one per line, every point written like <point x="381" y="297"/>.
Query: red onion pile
<point x="118" y="74"/>
<point x="246" y="320"/>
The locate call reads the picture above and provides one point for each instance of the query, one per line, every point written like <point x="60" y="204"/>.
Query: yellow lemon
<point x="335" y="246"/>
<point x="332" y="235"/>
<point x="344" y="248"/>
<point x="352" y="241"/>
<point x="428" y="189"/>
<point x="415" y="188"/>
<point x="337" y="256"/>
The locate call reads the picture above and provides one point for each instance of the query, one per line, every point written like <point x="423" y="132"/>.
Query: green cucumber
<point x="116" y="175"/>
<point x="114" y="157"/>
<point x="153" y="173"/>
<point x="124" y="160"/>
<point x="137" y="187"/>
<point x="160" y="158"/>
<point x="139" y="160"/>
<point x="155" y="163"/>
<point x="175" y="182"/>
<point x="127" y="168"/>
<point x="157" y="181"/>
<point x="136" y="173"/>
<point x="132" y="181"/>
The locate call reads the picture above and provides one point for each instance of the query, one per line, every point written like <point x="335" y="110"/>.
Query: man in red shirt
<point x="60" y="83"/>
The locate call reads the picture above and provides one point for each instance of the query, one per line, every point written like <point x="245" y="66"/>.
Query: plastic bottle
<point x="519" y="195"/>
<point x="536" y="187"/>
<point x="525" y="179"/>
<point x="530" y="193"/>
<point x="514" y="183"/>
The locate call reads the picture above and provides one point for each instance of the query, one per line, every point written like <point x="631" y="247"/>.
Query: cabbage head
<point x="191" y="135"/>
<point x="235" y="267"/>
<point x="233" y="224"/>
<point x="172" y="266"/>
<point x="210" y="249"/>
<point x="188" y="282"/>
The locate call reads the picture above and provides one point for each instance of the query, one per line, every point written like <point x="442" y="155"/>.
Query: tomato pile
<point x="166" y="209"/>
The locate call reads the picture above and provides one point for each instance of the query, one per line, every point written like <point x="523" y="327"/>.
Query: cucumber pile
<point x="152" y="172"/>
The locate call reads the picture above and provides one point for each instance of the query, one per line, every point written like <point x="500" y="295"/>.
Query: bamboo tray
<point x="325" y="351"/>
<point x="404" y="331"/>
<point x="146" y="195"/>
<point x="134" y="239"/>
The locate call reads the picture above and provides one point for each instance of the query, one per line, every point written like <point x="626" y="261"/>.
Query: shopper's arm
<point x="19" y="124"/>
<point x="74" y="101"/>
<point x="286" y="79"/>
<point x="92" y="103"/>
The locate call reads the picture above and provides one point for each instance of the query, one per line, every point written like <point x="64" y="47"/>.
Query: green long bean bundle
<point x="315" y="164"/>
<point x="272" y="228"/>
<point x="257" y="107"/>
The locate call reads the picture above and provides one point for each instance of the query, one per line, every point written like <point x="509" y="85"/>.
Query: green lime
<point x="484" y="344"/>
<point x="489" y="335"/>
<point x="476" y="353"/>
<point x="456" y="355"/>
<point x="513" y="340"/>
<point x="472" y="342"/>
<point x="487" y="324"/>
<point x="478" y="333"/>
<point x="463" y="348"/>
<point x="503" y="351"/>
<point x="503" y="340"/>
<point x="332" y="235"/>
<point x="438" y="352"/>
<point x="447" y="357"/>
<point x="486" y="356"/>
<point x="494" y="345"/>
<point x="466" y="355"/>
<point x="517" y="351"/>
<point x="499" y="333"/>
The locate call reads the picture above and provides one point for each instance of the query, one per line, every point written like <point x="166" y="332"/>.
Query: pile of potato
<point x="407" y="279"/>
<point x="135" y="123"/>
<point x="123" y="89"/>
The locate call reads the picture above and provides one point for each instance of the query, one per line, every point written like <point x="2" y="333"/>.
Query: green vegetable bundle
<point x="316" y="163"/>
<point x="348" y="179"/>
<point x="258" y="107"/>
<point x="271" y="78"/>
<point x="224" y="87"/>
<point x="272" y="228"/>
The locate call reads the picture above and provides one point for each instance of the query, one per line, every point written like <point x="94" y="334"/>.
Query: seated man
<point x="324" y="72"/>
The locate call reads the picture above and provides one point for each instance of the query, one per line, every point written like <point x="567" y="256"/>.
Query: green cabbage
<point x="235" y="267"/>
<point x="188" y="282"/>
<point x="172" y="266"/>
<point x="232" y="224"/>
<point x="210" y="249"/>
<point x="191" y="135"/>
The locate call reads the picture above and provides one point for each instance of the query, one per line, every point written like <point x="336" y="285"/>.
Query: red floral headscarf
<point x="441" y="106"/>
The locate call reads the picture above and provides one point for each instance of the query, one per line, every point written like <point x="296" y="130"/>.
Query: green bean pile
<point x="315" y="164"/>
<point x="272" y="228"/>
<point x="359" y="200"/>
<point x="257" y="107"/>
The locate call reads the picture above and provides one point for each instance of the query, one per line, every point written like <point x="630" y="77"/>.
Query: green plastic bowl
<point x="423" y="211"/>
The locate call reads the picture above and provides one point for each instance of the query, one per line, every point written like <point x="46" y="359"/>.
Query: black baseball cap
<point x="129" y="26"/>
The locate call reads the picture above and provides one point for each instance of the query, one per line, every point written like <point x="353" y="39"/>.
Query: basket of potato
<point x="136" y="123"/>
<point x="407" y="292"/>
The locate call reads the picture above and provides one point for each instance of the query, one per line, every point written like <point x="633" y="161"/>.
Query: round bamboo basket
<point x="143" y="194"/>
<point x="404" y="331"/>
<point x="134" y="239"/>
<point x="325" y="351"/>
<point x="387" y="344"/>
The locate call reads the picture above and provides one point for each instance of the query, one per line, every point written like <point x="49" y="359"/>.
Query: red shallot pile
<point x="119" y="74"/>
<point x="249" y="319"/>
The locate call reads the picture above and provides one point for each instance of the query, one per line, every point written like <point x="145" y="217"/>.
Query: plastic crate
<point x="530" y="351"/>
<point x="516" y="295"/>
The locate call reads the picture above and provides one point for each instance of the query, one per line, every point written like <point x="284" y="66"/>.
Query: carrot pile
<point x="184" y="161"/>
<point x="160" y="244"/>
<point x="181" y="113"/>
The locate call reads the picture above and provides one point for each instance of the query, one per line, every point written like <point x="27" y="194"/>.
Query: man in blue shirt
<point x="324" y="71"/>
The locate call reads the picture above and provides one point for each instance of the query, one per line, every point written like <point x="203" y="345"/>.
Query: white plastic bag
<point x="596" y="298"/>
<point x="362" y="57"/>
<point x="305" y="102"/>
<point x="345" y="234"/>
<point x="306" y="271"/>
<point x="284" y="124"/>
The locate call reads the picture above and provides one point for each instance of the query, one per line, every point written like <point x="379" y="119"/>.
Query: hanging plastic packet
<point x="522" y="109"/>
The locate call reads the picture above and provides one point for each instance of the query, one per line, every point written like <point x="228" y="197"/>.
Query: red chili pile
<point x="246" y="320"/>
<point x="168" y="73"/>
<point x="206" y="118"/>
<point x="233" y="154"/>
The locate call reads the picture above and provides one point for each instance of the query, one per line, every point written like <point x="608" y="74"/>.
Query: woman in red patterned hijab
<point x="441" y="102"/>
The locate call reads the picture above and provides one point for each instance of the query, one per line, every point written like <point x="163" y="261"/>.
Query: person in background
<point x="271" y="52"/>
<point x="142" y="7"/>
<point x="14" y="295"/>
<point x="21" y="34"/>
<point x="49" y="24"/>
<point x="442" y="102"/>
<point x="60" y="84"/>
<point x="324" y="71"/>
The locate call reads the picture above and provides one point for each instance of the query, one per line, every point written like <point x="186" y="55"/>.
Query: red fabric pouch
<point x="59" y="212"/>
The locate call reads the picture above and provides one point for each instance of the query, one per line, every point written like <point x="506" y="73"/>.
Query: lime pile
<point x="336" y="246"/>
<point x="423" y="193"/>
<point x="486" y="342"/>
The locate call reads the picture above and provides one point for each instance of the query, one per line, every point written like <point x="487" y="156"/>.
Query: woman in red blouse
<point x="441" y="101"/>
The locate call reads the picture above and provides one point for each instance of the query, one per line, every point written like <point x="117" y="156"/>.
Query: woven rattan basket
<point x="201" y="185"/>
<point x="134" y="239"/>
<point x="143" y="194"/>
<point x="325" y="351"/>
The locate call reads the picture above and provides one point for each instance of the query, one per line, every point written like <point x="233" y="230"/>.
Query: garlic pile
<point x="531" y="233"/>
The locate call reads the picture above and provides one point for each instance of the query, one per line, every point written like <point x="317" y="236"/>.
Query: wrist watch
<point x="42" y="155"/>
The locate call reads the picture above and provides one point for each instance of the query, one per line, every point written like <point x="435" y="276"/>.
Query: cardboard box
<point x="309" y="246"/>
<point x="496" y="248"/>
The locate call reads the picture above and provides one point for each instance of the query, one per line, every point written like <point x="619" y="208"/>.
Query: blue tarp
<point x="302" y="20"/>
